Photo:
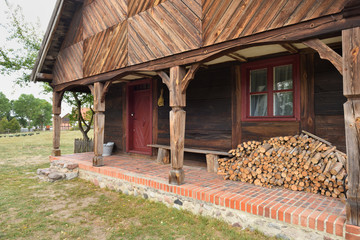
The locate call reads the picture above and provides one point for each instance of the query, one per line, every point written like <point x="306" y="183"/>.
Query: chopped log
<point x="299" y="162"/>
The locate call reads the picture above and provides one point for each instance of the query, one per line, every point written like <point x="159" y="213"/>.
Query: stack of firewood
<point x="302" y="162"/>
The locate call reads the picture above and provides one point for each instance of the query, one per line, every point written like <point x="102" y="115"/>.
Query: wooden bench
<point x="212" y="157"/>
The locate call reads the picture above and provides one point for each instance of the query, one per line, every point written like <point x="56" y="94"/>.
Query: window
<point x="270" y="89"/>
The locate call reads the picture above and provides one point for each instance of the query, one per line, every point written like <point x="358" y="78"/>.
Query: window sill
<point x="270" y="119"/>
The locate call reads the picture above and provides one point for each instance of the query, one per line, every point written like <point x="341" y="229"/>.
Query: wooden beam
<point x="326" y="52"/>
<point x="44" y="76"/>
<point x="351" y="88"/>
<point x="49" y="35"/>
<point x="297" y="32"/>
<point x="290" y="48"/>
<point x="237" y="57"/>
<point x="99" y="123"/>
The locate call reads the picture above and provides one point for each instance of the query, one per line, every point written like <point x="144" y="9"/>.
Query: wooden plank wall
<point x="106" y="50"/>
<point x="102" y="14"/>
<point x="114" y="117"/>
<point x="138" y="6"/>
<point x="120" y="33"/>
<point x="329" y="100"/>
<point x="208" y="110"/>
<point x="169" y="28"/>
<point x="225" y="20"/>
<point x="69" y="64"/>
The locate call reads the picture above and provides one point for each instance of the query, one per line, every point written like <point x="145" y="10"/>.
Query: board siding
<point x="169" y="28"/>
<point x="114" y="121"/>
<point x="138" y="6"/>
<point x="329" y="100"/>
<point x="226" y="20"/>
<point x="69" y="64"/>
<point x="259" y="131"/>
<point x="106" y="51"/>
<point x="102" y="14"/>
<point x="75" y="32"/>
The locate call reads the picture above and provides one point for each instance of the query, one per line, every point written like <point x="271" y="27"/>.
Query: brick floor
<point x="305" y="209"/>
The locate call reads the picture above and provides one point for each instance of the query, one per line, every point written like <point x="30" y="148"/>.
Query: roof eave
<point x="45" y="45"/>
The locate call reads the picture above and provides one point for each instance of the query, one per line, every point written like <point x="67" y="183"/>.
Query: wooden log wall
<point x="208" y="110"/>
<point x="329" y="100"/>
<point x="122" y="33"/>
<point x="115" y="117"/>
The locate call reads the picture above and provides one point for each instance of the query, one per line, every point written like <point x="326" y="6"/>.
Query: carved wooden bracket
<point x="104" y="90"/>
<point x="185" y="81"/>
<point x="326" y="52"/>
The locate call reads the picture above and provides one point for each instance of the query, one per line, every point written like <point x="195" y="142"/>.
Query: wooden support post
<point x="99" y="123"/>
<point x="57" y="97"/>
<point x="177" y="84"/>
<point x="351" y="88"/>
<point x="163" y="156"/>
<point x="212" y="163"/>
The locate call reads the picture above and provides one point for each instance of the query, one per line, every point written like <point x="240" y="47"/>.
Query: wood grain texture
<point x="69" y="64"/>
<point x="56" y="135"/>
<point x="208" y="100"/>
<point x="99" y="124"/>
<point x="307" y="112"/>
<point x="138" y="6"/>
<point x="351" y="74"/>
<point x="325" y="52"/>
<point x="332" y="129"/>
<point x="259" y="131"/>
<point x="236" y="107"/>
<point x="106" y="51"/>
<point x="102" y="14"/>
<point x="75" y="32"/>
<point x="114" y="124"/>
<point x="226" y="20"/>
<point x="169" y="28"/>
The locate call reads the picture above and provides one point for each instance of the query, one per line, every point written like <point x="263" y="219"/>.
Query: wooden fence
<point x="83" y="145"/>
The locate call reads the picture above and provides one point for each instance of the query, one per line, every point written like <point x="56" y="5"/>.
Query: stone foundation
<point x="234" y="217"/>
<point x="59" y="170"/>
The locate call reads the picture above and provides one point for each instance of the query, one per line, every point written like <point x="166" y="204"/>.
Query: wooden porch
<point x="312" y="211"/>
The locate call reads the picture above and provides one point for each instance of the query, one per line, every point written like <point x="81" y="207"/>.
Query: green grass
<point x="76" y="209"/>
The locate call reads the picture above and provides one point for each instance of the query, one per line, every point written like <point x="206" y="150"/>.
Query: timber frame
<point x="76" y="53"/>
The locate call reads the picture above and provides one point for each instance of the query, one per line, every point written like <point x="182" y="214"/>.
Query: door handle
<point x="132" y="114"/>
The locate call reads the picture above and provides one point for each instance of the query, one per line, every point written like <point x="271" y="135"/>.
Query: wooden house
<point x="226" y="71"/>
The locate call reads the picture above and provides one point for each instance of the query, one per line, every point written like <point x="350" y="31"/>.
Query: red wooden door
<point x="139" y="118"/>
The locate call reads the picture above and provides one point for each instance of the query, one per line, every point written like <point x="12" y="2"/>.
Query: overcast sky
<point x="32" y="10"/>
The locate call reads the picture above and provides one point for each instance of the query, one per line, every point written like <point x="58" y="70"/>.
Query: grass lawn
<point x="76" y="209"/>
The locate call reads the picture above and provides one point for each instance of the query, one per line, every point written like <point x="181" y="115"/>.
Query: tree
<point x="31" y="111"/>
<point x="84" y="120"/>
<point x="14" y="125"/>
<point x="42" y="113"/>
<point x="22" y="57"/>
<point x="5" y="106"/>
<point x="4" y="124"/>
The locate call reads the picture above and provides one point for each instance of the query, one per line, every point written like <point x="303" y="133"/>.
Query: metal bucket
<point x="108" y="147"/>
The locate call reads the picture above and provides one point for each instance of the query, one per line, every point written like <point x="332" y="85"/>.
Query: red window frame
<point x="269" y="64"/>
